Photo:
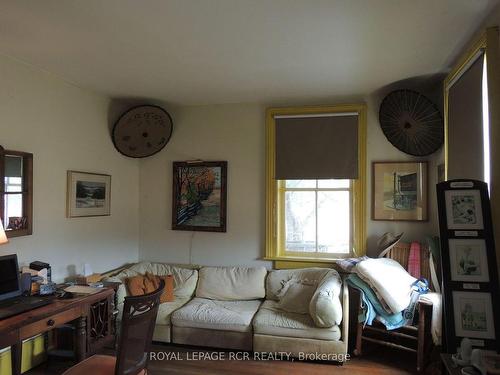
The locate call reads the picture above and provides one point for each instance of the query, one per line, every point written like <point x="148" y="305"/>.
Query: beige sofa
<point x="251" y="308"/>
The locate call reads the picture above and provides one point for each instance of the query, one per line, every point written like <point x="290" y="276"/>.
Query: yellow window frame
<point x="275" y="251"/>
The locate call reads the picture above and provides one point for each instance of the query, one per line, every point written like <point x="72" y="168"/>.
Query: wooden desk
<point x="91" y="315"/>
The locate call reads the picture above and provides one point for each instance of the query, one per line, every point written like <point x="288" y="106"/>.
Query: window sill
<point x="301" y="262"/>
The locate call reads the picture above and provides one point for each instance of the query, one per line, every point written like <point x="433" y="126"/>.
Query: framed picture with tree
<point x="199" y="196"/>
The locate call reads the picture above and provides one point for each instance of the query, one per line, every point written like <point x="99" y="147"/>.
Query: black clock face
<point x="142" y="131"/>
<point x="411" y="122"/>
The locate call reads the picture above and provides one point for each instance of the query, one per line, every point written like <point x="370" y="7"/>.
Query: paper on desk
<point x="81" y="289"/>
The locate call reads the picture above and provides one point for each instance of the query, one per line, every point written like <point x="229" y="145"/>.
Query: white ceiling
<point x="227" y="51"/>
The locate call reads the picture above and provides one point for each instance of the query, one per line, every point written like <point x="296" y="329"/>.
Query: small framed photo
<point x="399" y="191"/>
<point x="199" y="196"/>
<point x="88" y="194"/>
<point x="463" y="209"/>
<point x="468" y="260"/>
<point x="473" y="315"/>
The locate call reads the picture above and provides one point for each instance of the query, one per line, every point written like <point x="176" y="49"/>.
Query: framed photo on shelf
<point x="199" y="196"/>
<point x="473" y="313"/>
<point x="88" y="194"/>
<point x="399" y="191"/>
<point x="464" y="210"/>
<point x="468" y="260"/>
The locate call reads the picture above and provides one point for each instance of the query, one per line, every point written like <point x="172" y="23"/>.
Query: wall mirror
<point x="16" y="192"/>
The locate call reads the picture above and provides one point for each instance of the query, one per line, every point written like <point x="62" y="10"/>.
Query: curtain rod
<point x="318" y="115"/>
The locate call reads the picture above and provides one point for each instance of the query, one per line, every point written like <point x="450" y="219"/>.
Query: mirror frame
<point x="27" y="191"/>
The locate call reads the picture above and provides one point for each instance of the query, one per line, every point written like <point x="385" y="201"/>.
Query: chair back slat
<point x="401" y="252"/>
<point x="136" y="335"/>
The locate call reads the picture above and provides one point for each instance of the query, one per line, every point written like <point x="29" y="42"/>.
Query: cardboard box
<point x="94" y="278"/>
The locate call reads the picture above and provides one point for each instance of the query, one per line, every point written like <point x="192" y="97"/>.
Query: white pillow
<point x="296" y="295"/>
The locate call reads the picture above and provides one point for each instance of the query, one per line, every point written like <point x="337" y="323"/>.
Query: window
<point x="16" y="189"/>
<point x="314" y="220"/>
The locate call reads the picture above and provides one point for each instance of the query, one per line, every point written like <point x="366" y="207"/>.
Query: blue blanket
<point x="372" y="307"/>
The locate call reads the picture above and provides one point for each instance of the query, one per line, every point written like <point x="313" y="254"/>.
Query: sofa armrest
<point x="121" y="293"/>
<point x="325" y="307"/>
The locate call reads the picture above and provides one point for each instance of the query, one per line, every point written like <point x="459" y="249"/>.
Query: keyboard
<point x="17" y="305"/>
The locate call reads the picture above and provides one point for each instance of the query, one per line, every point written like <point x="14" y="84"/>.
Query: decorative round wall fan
<point x="411" y="122"/>
<point x="142" y="131"/>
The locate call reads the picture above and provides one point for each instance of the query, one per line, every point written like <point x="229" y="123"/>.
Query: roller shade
<point x="13" y="166"/>
<point x="465" y="124"/>
<point x="317" y="147"/>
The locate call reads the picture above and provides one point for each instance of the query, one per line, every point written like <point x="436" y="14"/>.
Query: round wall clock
<point x="411" y="122"/>
<point x="142" y="131"/>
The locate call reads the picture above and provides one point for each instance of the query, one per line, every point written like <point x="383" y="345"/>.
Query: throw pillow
<point x="296" y="295"/>
<point x="135" y="285"/>
<point x="152" y="283"/>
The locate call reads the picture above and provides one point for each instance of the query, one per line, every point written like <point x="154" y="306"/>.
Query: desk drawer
<point x="49" y="323"/>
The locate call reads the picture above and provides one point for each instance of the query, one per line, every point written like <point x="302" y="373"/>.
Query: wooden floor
<point x="375" y="361"/>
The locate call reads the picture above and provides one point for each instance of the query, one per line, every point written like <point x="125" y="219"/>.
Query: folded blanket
<point x="389" y="280"/>
<point x="435" y="299"/>
<point x="374" y="306"/>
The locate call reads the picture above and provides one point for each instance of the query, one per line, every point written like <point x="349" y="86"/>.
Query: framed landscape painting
<point x="399" y="191"/>
<point x="88" y="194"/>
<point x="199" y="196"/>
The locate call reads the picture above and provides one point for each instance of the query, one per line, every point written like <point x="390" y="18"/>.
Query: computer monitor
<point x="10" y="283"/>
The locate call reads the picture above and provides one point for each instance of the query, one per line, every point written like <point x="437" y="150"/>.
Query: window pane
<point x="297" y="184"/>
<point x="300" y="221"/>
<point x="13" y="184"/>
<point x="13" y="211"/>
<point x="333" y="184"/>
<point x="333" y="222"/>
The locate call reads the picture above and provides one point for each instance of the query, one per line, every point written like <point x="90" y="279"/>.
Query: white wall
<point x="236" y="133"/>
<point x="227" y="132"/>
<point x="380" y="149"/>
<point x="66" y="128"/>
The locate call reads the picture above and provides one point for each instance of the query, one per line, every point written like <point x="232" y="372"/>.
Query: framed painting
<point x="399" y="191"/>
<point x="468" y="260"/>
<point x="88" y="194"/>
<point x="463" y="209"/>
<point x="473" y="313"/>
<point x="199" y="196"/>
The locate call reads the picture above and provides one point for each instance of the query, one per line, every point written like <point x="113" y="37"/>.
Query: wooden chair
<point x="413" y="338"/>
<point x="138" y="323"/>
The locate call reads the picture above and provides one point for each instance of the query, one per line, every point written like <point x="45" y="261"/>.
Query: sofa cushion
<point x="296" y="296"/>
<point x="166" y="309"/>
<point x="231" y="283"/>
<point x="270" y="320"/>
<point x="218" y="315"/>
<point x="325" y="307"/>
<point x="276" y="279"/>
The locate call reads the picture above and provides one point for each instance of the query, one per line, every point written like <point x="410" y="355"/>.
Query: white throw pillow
<point x="296" y="295"/>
